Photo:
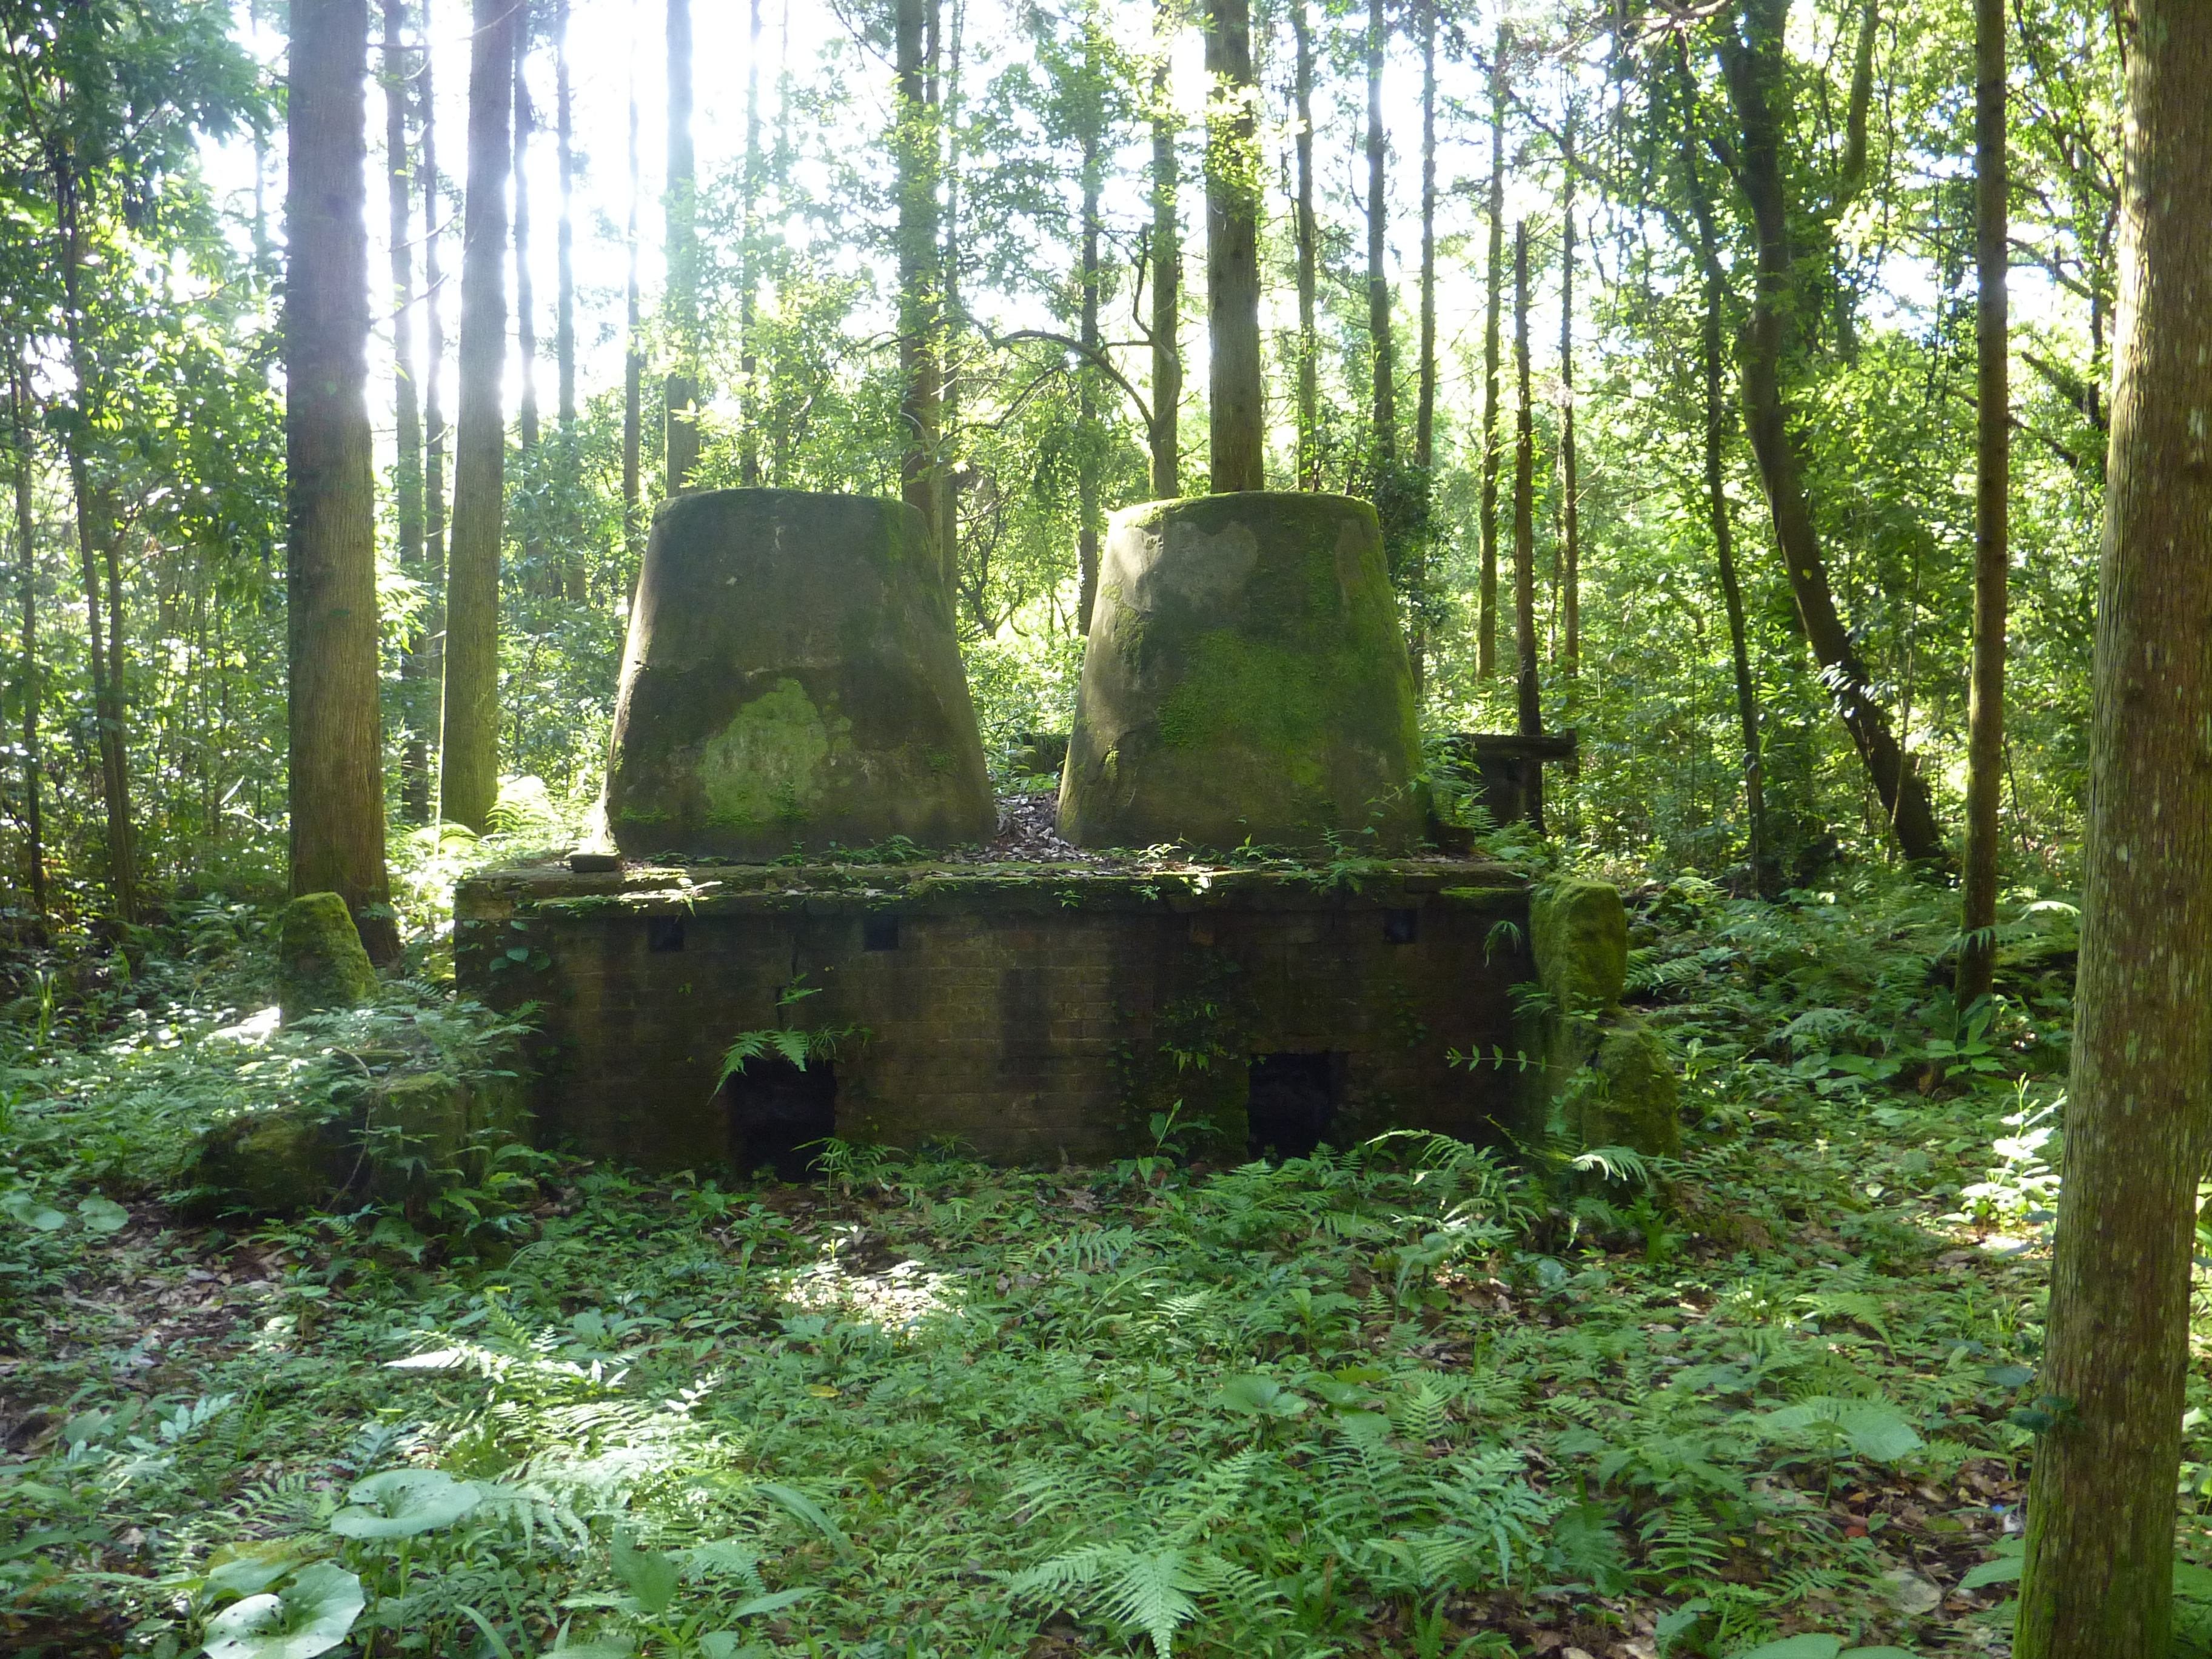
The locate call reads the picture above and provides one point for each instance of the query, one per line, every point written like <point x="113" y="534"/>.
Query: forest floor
<point x="1775" y="1397"/>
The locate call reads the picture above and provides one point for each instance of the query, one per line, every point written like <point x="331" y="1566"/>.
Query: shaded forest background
<point x="1063" y="148"/>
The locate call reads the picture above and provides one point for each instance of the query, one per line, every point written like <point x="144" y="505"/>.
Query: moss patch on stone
<point x="320" y="961"/>
<point x="1579" y="930"/>
<point x="766" y="766"/>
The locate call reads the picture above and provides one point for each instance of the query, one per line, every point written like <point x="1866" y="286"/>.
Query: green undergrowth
<point x="1411" y="1398"/>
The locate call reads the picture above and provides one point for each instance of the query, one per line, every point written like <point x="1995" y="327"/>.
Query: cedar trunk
<point x="1571" y="538"/>
<point x="680" y="389"/>
<point x="1485" y="649"/>
<point x="1236" y="415"/>
<point x="432" y="668"/>
<point x="748" y="466"/>
<point x="1985" y="699"/>
<point x="1385" y="415"/>
<point x="2101" y="1504"/>
<point x="407" y="418"/>
<point x="1167" y="268"/>
<point x="1308" y="240"/>
<point x="468" y="782"/>
<point x="26" y="559"/>
<point x="1086" y="396"/>
<point x="337" y="762"/>
<point x="922" y="397"/>
<point x="1527" y="704"/>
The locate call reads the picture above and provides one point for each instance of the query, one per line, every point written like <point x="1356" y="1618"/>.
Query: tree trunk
<point x="539" y="580"/>
<point x="27" y="558"/>
<point x="633" y="362"/>
<point x="2101" y="1504"/>
<point x="95" y="525"/>
<point x="564" y="317"/>
<point x="1753" y="67"/>
<point x="1236" y="415"/>
<point x="1086" y="404"/>
<point x="948" y="420"/>
<point x="407" y="471"/>
<point x="468" y="781"/>
<point x="1309" y="243"/>
<point x="1485" y="649"/>
<point x="920" y="308"/>
<point x="432" y="670"/>
<point x="1424" y="412"/>
<point x="1985" y="702"/>
<point x="749" y="467"/>
<point x="1716" y="506"/>
<point x="1528" y="700"/>
<point x="336" y="763"/>
<point x="1385" y="415"/>
<point x="1167" y="267"/>
<point x="1570" y="576"/>
<point x="680" y="390"/>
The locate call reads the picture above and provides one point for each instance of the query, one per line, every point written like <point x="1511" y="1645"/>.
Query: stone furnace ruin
<point x="805" y="867"/>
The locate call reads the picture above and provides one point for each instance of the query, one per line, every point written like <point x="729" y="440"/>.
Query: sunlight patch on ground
<point x="897" y="1299"/>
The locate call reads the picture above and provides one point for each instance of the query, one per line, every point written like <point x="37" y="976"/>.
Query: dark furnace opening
<point x="779" y="1114"/>
<point x="1292" y="1098"/>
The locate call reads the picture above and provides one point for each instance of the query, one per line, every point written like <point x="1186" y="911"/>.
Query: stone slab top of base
<point x="553" y="891"/>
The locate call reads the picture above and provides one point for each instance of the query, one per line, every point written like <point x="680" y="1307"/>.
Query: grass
<point x="1410" y="1399"/>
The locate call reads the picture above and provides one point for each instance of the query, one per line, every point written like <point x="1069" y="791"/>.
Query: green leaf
<point x="311" y="1616"/>
<point x="401" y="1503"/>
<point x="1872" y="1428"/>
<point x="1260" y="1396"/>
<point x="249" y="1569"/>
<point x="1877" y="1653"/>
<point x="807" y="1510"/>
<point x="649" y="1577"/>
<point x="21" y="1207"/>
<point x="760" y="1604"/>
<point x="1794" y="1647"/>
<point x="2005" y="1570"/>
<point x="103" y="1215"/>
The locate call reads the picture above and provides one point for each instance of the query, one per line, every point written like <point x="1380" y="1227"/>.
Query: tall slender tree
<point x="26" y="580"/>
<point x="1528" y="695"/>
<point x="749" y="255"/>
<point x="1166" y="259"/>
<point x="469" y="776"/>
<point x="633" y="430"/>
<point x="1755" y="65"/>
<point x="1308" y="246"/>
<point x="1485" y="655"/>
<point x="536" y="570"/>
<point x="1571" y="575"/>
<point x="564" y="303"/>
<point x="1993" y="472"/>
<point x="431" y="670"/>
<point x="1090" y="115"/>
<point x="2100" y="1506"/>
<point x="407" y="416"/>
<point x="1236" y="413"/>
<point x="921" y="293"/>
<point x="337" y="761"/>
<point x="1385" y="414"/>
<point x="680" y="390"/>
<point x="1425" y="409"/>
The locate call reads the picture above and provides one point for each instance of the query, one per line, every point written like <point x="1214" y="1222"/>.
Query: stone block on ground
<point x="792" y="680"/>
<point x="1245" y="679"/>
<point x="320" y="961"/>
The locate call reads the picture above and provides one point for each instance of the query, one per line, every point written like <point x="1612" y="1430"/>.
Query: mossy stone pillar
<point x="791" y="680"/>
<point x="320" y="961"/>
<point x="1245" y="677"/>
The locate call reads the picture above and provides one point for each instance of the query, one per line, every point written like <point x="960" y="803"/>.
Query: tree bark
<point x="748" y="466"/>
<point x="921" y="296"/>
<point x="2102" y="1508"/>
<point x="27" y="560"/>
<point x="1993" y="466"/>
<point x="1753" y="63"/>
<point x="1385" y="413"/>
<point x="1527" y="699"/>
<point x="1167" y="268"/>
<point x="416" y="692"/>
<point x="336" y="763"/>
<point x="1086" y="396"/>
<point x="432" y="667"/>
<point x="1571" y="575"/>
<point x="96" y="526"/>
<point x="948" y="420"/>
<point x="564" y="304"/>
<point x="1308" y="246"/>
<point x="525" y="295"/>
<point x="1485" y="649"/>
<point x="1425" y="410"/>
<point x="680" y="389"/>
<point x="468" y="781"/>
<point x="633" y="361"/>
<point x="1236" y="413"/>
